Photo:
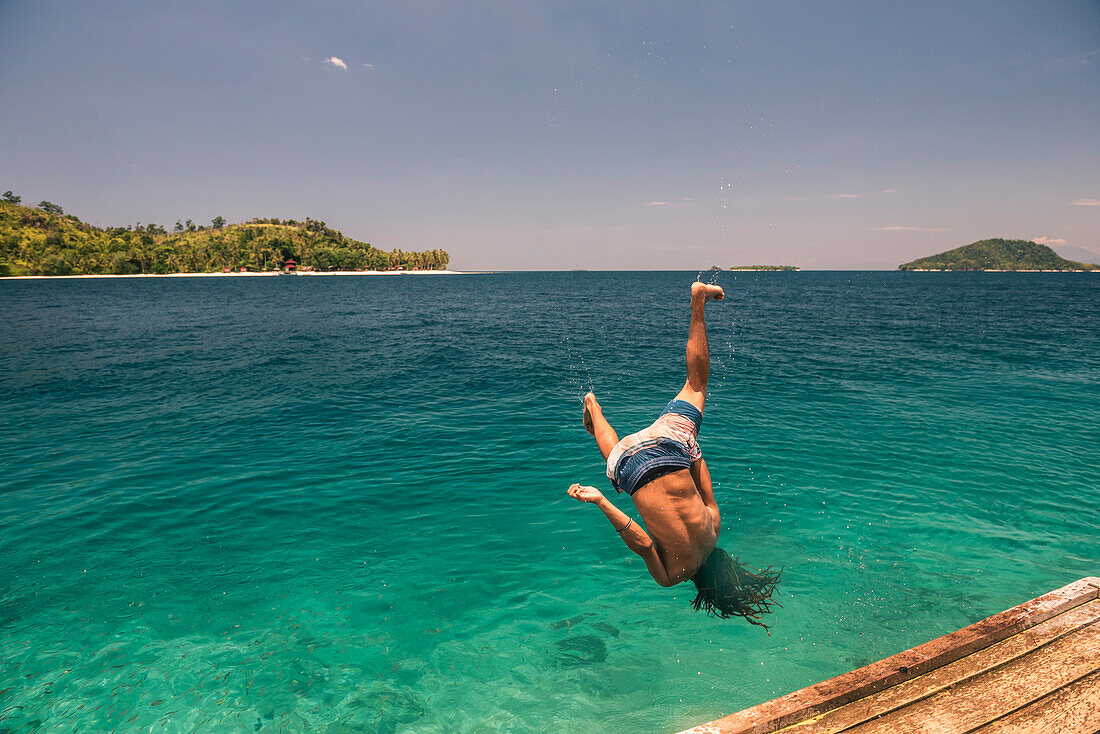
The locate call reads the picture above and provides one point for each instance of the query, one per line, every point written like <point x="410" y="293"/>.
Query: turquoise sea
<point x="338" y="504"/>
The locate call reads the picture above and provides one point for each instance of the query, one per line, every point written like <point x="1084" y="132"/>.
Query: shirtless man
<point x="663" y="471"/>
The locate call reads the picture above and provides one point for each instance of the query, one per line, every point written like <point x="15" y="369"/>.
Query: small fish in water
<point x="605" y="627"/>
<point x="567" y="623"/>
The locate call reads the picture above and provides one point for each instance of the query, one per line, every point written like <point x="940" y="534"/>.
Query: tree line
<point x="44" y="240"/>
<point x="998" y="254"/>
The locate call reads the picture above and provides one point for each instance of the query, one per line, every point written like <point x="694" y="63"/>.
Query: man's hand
<point x="585" y="494"/>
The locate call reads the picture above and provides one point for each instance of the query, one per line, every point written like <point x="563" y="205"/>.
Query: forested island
<point x="44" y="240"/>
<point x="766" y="267"/>
<point x="998" y="254"/>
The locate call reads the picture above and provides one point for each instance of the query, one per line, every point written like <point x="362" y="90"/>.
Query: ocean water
<point x="338" y="504"/>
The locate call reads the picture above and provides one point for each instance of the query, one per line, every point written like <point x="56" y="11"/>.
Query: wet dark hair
<point x="728" y="589"/>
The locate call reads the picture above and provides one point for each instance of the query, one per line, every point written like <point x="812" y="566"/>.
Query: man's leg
<point x="698" y="350"/>
<point x="597" y="425"/>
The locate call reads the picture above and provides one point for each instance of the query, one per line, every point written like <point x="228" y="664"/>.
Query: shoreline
<point x="268" y="274"/>
<point x="991" y="270"/>
<point x="265" y="274"/>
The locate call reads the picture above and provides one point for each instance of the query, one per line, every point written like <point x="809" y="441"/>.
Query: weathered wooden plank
<point x="952" y="674"/>
<point x="1074" y="709"/>
<point x="821" y="697"/>
<point x="995" y="694"/>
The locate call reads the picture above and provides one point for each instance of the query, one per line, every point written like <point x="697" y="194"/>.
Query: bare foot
<point x="590" y="405"/>
<point x="706" y="292"/>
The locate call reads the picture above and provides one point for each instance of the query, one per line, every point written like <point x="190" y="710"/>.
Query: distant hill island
<point x="759" y="267"/>
<point x="998" y="254"/>
<point x="43" y="240"/>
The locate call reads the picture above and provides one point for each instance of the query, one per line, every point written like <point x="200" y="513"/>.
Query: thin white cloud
<point x="368" y="67"/>
<point x="1048" y="240"/>
<point x="656" y="203"/>
<point x="902" y="228"/>
<point x="889" y="191"/>
<point x="1070" y="63"/>
<point x="1086" y="202"/>
<point x="337" y="62"/>
<point x="848" y="196"/>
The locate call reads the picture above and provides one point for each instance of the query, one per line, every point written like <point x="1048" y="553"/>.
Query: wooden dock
<point x="1033" y="668"/>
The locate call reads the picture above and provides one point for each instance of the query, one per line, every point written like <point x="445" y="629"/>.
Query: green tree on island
<point x="997" y="254"/>
<point x="45" y="241"/>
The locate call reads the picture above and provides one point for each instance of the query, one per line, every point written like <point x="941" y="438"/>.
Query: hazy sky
<point x="516" y="135"/>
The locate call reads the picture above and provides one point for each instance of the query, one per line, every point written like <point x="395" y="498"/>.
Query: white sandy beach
<point x="390" y="272"/>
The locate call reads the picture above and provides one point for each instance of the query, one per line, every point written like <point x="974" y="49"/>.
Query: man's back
<point x="681" y="525"/>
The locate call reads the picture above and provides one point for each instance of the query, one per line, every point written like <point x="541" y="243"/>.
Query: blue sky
<point x="623" y="135"/>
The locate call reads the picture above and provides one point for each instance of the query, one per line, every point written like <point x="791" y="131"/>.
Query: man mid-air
<point x="663" y="471"/>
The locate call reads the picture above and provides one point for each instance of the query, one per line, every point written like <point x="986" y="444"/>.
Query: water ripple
<point x="338" y="504"/>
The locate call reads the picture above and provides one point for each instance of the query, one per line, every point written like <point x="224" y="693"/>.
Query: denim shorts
<point x="669" y="444"/>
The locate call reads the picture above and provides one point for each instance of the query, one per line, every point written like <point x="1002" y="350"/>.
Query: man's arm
<point x="701" y="475"/>
<point x="631" y="532"/>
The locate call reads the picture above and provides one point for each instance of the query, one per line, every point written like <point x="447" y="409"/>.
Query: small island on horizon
<point x="999" y="255"/>
<point x="45" y="241"/>
<point x="760" y="267"/>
